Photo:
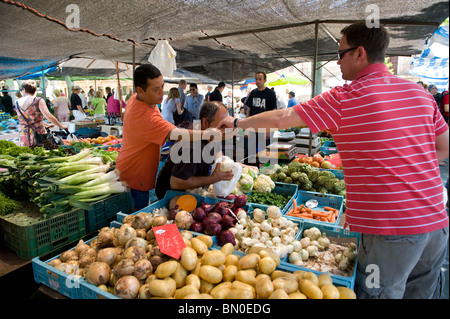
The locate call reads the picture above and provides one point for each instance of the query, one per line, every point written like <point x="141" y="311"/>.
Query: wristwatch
<point x="235" y="122"/>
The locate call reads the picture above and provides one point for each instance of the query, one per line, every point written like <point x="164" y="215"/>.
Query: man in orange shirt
<point x="144" y="133"/>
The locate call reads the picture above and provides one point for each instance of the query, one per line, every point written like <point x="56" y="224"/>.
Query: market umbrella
<point x="283" y="80"/>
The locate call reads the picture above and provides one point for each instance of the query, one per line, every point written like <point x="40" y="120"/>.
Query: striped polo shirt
<point x="385" y="130"/>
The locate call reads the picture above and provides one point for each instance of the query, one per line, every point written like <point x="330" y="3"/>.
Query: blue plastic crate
<point x="332" y="232"/>
<point x="282" y="188"/>
<point x="330" y="200"/>
<point x="329" y="147"/>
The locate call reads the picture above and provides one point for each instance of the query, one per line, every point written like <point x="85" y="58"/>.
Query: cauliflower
<point x="245" y="183"/>
<point x="226" y="164"/>
<point x="263" y="184"/>
<point x="250" y="171"/>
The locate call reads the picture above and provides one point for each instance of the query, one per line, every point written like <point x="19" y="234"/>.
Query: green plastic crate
<point x="104" y="212"/>
<point x="44" y="236"/>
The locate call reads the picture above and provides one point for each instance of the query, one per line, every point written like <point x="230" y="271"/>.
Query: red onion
<point x="207" y="207"/>
<point x="197" y="227"/>
<point x="240" y="201"/>
<point x="199" y="214"/>
<point x="213" y="229"/>
<point x="228" y="221"/>
<point x="226" y="236"/>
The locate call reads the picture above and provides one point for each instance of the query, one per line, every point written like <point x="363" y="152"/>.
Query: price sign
<point x="169" y="240"/>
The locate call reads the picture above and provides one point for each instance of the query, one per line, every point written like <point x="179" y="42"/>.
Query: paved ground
<point x="445" y="267"/>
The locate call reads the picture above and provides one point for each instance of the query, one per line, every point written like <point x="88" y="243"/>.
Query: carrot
<point x="332" y="218"/>
<point x="308" y="209"/>
<point x="323" y="219"/>
<point x="318" y="213"/>
<point x="295" y="203"/>
<point x="331" y="208"/>
<point x="290" y="211"/>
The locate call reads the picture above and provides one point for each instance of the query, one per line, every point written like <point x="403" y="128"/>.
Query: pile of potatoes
<point x="201" y="273"/>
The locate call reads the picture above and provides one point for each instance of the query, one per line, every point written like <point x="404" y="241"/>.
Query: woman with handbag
<point x="31" y="111"/>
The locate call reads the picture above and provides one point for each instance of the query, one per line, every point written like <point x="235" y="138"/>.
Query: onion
<point x="134" y="253"/>
<point x="142" y="268"/>
<point x="128" y="219"/>
<point x="240" y="201"/>
<point x="223" y="210"/>
<point x="226" y="236"/>
<point x="86" y="261"/>
<point x="68" y="255"/>
<point x="197" y="227"/>
<point x="55" y="262"/>
<point x="207" y="207"/>
<point x="220" y="204"/>
<point x="98" y="273"/>
<point x="183" y="219"/>
<point x="89" y="252"/>
<point x="136" y="241"/>
<point x="81" y="246"/>
<point x="127" y="287"/>
<point x="173" y="212"/>
<point x="105" y="238"/>
<point x="199" y="214"/>
<point x="213" y="229"/>
<point x="228" y="221"/>
<point x="141" y="232"/>
<point x="150" y="235"/>
<point x="231" y="197"/>
<point x="124" y="234"/>
<point x="124" y="267"/>
<point x="159" y="221"/>
<point x="107" y="255"/>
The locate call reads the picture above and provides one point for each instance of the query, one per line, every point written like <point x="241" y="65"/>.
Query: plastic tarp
<point x="432" y="65"/>
<point x="13" y="67"/>
<point x="221" y="39"/>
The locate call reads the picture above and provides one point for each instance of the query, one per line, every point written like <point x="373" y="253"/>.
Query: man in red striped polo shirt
<point x="391" y="137"/>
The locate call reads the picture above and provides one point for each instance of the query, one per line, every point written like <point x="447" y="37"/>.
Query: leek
<point x="108" y="177"/>
<point x="110" y="188"/>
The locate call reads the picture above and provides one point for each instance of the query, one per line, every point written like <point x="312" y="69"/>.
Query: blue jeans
<point x="401" y="266"/>
<point x="140" y="199"/>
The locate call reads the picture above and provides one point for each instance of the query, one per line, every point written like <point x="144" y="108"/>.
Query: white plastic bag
<point x="163" y="57"/>
<point x="224" y="188"/>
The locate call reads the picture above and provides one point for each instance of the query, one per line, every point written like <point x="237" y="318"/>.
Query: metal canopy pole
<point x="314" y="76"/>
<point x="232" y="87"/>
<point x="134" y="65"/>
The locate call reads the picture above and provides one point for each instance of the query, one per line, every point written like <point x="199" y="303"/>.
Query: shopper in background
<point x="61" y="105"/>
<point x="171" y="105"/>
<point x="216" y="95"/>
<point x="209" y="89"/>
<point x="98" y="104"/>
<point x="31" y="111"/>
<point x="444" y="104"/>
<point x="292" y="100"/>
<point x="183" y="176"/>
<point x="108" y="93"/>
<point x="182" y="87"/>
<point x="84" y="102"/>
<point x="113" y="106"/>
<point x="260" y="100"/>
<point x="76" y="105"/>
<point x="7" y="102"/>
<point x="391" y="137"/>
<point x="194" y="102"/>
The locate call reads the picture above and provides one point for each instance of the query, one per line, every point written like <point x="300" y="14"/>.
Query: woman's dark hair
<point x="29" y="86"/>
<point x="374" y="40"/>
<point x="209" y="110"/>
<point x="144" y="72"/>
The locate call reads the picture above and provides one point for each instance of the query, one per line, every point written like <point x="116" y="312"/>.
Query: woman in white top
<point x="171" y="104"/>
<point x="61" y="106"/>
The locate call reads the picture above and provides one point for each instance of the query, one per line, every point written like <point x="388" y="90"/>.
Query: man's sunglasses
<point x="342" y="52"/>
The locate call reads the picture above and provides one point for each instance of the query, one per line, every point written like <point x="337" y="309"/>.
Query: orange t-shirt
<point x="144" y="132"/>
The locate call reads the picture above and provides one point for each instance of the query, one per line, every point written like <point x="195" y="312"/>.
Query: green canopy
<point x="288" y="80"/>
